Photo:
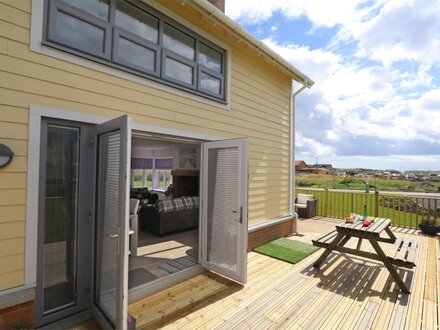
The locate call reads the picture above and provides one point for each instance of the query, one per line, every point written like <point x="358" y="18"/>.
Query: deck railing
<point x="404" y="209"/>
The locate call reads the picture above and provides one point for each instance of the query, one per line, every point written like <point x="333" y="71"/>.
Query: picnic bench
<point x="402" y="254"/>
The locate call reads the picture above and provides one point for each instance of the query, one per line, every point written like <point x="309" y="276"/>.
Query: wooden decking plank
<point x="337" y="307"/>
<point x="226" y="313"/>
<point x="429" y="320"/>
<point x="413" y="318"/>
<point x="318" y="297"/>
<point x="313" y="289"/>
<point x="280" y="295"/>
<point x="212" y="318"/>
<point x="345" y="308"/>
<point x="258" y="273"/>
<point x="363" y="310"/>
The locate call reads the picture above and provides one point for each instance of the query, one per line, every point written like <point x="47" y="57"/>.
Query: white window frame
<point x="36" y="45"/>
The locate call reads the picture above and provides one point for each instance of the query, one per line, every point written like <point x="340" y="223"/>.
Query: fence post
<point x="376" y="203"/>
<point x="325" y="202"/>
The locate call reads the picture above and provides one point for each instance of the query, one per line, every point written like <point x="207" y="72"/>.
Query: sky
<point x="376" y="67"/>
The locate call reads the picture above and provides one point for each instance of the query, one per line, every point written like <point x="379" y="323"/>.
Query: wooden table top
<point x="375" y="228"/>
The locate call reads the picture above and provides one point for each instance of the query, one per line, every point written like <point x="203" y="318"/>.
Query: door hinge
<point x="241" y="214"/>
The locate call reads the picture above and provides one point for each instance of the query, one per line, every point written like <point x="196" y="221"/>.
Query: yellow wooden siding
<point x="259" y="110"/>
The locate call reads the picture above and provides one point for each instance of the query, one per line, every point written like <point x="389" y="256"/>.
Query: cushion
<point x="175" y="204"/>
<point x="301" y="206"/>
<point x="191" y="202"/>
<point x="303" y="198"/>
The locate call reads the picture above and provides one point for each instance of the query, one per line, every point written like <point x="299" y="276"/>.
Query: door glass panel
<point x="107" y="186"/>
<point x="137" y="21"/>
<point x="210" y="58"/>
<point x="98" y="8"/>
<point x="209" y="83"/>
<point x="137" y="54"/>
<point x="60" y="217"/>
<point x="178" y="71"/>
<point x="80" y="33"/>
<point x="223" y="205"/>
<point x="178" y="42"/>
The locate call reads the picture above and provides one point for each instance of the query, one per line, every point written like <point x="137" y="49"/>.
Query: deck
<point x="347" y="293"/>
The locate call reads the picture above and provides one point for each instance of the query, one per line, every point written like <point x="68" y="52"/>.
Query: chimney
<point x="220" y="4"/>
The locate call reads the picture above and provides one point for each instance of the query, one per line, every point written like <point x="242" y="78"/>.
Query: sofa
<point x="169" y="216"/>
<point x="305" y="206"/>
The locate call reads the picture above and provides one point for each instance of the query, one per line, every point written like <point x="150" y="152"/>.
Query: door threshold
<point x="70" y="321"/>
<point x="164" y="282"/>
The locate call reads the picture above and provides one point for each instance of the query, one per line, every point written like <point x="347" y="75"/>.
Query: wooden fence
<point x="404" y="210"/>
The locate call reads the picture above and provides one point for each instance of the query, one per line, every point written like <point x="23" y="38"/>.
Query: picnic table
<point x="402" y="254"/>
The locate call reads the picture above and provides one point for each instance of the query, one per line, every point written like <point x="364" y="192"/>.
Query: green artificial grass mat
<point x="286" y="250"/>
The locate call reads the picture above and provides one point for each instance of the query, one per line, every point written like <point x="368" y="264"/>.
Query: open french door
<point x="110" y="283"/>
<point x="224" y="208"/>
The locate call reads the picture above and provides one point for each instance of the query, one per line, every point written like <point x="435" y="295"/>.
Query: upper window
<point x="134" y="37"/>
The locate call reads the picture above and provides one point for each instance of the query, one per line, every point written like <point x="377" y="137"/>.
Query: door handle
<point x="113" y="236"/>
<point x="241" y="214"/>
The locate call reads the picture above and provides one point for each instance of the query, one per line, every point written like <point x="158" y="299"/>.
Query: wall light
<point x="6" y="155"/>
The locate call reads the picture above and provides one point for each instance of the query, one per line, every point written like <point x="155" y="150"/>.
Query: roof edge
<point x="214" y="12"/>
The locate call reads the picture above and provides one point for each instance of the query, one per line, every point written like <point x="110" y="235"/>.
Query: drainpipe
<point x="292" y="149"/>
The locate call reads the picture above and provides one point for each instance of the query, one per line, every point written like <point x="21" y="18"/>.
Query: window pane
<point x="209" y="83"/>
<point x="98" y="8"/>
<point x="136" y="21"/>
<point x="178" y="71"/>
<point x="80" y="33"/>
<point x="60" y="217"/>
<point x="210" y="58"/>
<point x="178" y="42"/>
<point x="137" y="178"/>
<point x="136" y="54"/>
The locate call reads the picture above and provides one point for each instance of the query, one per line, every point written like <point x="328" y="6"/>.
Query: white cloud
<point x="322" y="13"/>
<point x="379" y="102"/>
<point x="402" y="30"/>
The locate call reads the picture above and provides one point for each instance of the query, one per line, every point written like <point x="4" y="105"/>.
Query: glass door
<point x="110" y="292"/>
<point x="64" y="226"/>
<point x="224" y="208"/>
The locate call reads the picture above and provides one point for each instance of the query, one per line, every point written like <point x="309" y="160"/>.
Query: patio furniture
<point x="305" y="205"/>
<point x="402" y="254"/>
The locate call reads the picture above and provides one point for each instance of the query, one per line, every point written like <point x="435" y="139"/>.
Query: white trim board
<point x="35" y="114"/>
<point x="36" y="45"/>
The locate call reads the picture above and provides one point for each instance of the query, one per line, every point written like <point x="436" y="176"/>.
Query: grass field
<point x="405" y="211"/>
<point x="358" y="183"/>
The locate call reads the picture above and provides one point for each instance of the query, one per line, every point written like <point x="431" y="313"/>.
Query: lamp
<point x="6" y="155"/>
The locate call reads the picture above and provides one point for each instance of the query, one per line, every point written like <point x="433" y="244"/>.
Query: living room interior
<point x="164" y="208"/>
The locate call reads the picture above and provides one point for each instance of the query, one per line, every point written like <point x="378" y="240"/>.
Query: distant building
<point x="300" y="164"/>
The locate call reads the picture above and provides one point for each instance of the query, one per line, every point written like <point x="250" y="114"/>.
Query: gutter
<point x="292" y="148"/>
<point x="259" y="47"/>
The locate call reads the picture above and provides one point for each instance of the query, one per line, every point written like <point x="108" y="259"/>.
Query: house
<point x="300" y="165"/>
<point x="170" y="102"/>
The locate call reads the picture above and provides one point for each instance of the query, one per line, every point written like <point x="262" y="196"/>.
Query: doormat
<point x="287" y="250"/>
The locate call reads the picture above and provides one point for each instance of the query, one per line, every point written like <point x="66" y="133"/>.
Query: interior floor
<point x="161" y="256"/>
